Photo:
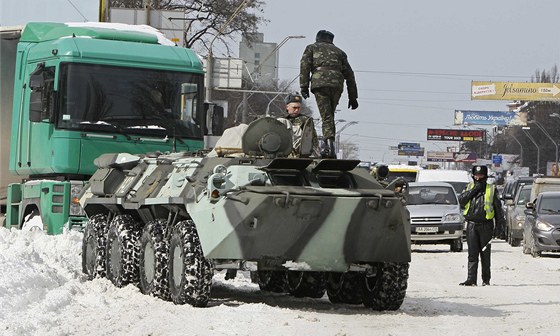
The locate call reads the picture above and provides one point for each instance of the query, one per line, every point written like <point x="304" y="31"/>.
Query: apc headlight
<point x="452" y="218"/>
<point x="544" y="226"/>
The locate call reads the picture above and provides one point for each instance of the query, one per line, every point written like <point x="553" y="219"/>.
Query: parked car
<point x="457" y="178"/>
<point x="515" y="215"/>
<point x="510" y="188"/>
<point x="541" y="231"/>
<point x="435" y="214"/>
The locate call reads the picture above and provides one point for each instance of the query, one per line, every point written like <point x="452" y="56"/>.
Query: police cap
<point x="480" y="170"/>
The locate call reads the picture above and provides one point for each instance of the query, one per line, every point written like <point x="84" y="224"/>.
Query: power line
<point x="77" y="10"/>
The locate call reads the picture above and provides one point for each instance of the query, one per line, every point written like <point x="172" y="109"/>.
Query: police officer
<point x="482" y="208"/>
<point x="329" y="68"/>
<point x="299" y="123"/>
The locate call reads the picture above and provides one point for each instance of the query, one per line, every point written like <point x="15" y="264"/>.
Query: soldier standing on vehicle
<point x="329" y="68"/>
<point x="300" y="125"/>
<point x="485" y="219"/>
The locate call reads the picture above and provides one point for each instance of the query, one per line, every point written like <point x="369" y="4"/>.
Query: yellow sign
<point x="515" y="91"/>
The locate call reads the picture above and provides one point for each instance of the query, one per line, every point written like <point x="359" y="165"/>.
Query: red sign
<point x="456" y="134"/>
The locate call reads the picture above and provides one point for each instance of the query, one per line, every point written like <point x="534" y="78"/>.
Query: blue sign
<point x="498" y="118"/>
<point x="496" y="159"/>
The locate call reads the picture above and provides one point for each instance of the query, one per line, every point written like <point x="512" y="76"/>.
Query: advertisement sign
<point x="515" y="91"/>
<point x="418" y="152"/>
<point x="435" y="156"/>
<point x="497" y="118"/>
<point x="456" y="134"/>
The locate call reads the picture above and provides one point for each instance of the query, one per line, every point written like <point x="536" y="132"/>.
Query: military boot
<point x="327" y="151"/>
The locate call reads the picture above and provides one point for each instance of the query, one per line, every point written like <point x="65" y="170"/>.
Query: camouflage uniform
<point x="329" y="68"/>
<point x="298" y="123"/>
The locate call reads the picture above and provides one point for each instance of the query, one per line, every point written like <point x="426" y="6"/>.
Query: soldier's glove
<point x="305" y="93"/>
<point x="353" y="103"/>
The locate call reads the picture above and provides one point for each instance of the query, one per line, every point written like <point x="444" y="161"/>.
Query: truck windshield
<point x="130" y="100"/>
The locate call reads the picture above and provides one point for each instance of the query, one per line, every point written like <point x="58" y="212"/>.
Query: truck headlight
<point x="75" y="207"/>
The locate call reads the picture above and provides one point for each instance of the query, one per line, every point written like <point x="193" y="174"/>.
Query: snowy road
<point x="42" y="292"/>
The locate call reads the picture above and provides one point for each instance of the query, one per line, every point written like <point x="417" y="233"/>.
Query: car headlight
<point x="520" y="219"/>
<point x="452" y="218"/>
<point x="543" y="226"/>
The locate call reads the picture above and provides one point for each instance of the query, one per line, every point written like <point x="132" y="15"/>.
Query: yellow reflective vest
<point x="488" y="200"/>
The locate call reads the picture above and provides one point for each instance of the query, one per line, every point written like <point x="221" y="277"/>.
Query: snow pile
<point x="42" y="292"/>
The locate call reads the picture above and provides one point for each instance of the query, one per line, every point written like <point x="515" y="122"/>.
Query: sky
<point x="413" y="60"/>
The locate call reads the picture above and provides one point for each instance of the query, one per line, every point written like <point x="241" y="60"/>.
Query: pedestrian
<point x="305" y="142"/>
<point x="326" y="67"/>
<point x="485" y="219"/>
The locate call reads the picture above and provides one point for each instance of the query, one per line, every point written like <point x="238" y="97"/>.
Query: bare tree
<point x="350" y="150"/>
<point x="205" y="21"/>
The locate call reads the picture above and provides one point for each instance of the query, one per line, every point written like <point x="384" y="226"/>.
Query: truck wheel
<point x="122" y="251"/>
<point x="306" y="284"/>
<point x="93" y="247"/>
<point x="32" y="222"/>
<point x="344" y="287"/>
<point x="190" y="274"/>
<point x="272" y="281"/>
<point x="386" y="288"/>
<point x="154" y="257"/>
<point x="457" y="245"/>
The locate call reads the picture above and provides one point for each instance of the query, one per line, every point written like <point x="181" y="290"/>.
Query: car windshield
<point x="418" y="195"/>
<point x="524" y="196"/>
<point x="549" y="205"/>
<point x="130" y="100"/>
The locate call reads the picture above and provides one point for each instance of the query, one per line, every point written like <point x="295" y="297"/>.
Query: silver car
<point x="435" y="214"/>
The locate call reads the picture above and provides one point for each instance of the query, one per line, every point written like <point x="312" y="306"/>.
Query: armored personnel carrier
<point x="301" y="226"/>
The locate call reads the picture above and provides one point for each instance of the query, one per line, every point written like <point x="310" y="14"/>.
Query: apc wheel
<point x="122" y="251"/>
<point x="386" y="289"/>
<point x="306" y="284"/>
<point x="190" y="274"/>
<point x="154" y="257"/>
<point x="456" y="245"/>
<point x="271" y="281"/>
<point x="344" y="287"/>
<point x="515" y="242"/>
<point x="93" y="247"/>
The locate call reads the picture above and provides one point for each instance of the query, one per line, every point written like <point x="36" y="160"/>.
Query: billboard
<point x="456" y="134"/>
<point x="498" y="118"/>
<point x="515" y="91"/>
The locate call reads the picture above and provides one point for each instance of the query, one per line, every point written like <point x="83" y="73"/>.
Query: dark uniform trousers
<point x="479" y="236"/>
<point x="327" y="99"/>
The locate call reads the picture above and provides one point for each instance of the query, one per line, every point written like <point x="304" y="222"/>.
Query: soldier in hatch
<point x="326" y="67"/>
<point x="299" y="123"/>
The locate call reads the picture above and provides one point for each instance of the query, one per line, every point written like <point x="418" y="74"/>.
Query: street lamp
<point x="521" y="149"/>
<point x="210" y="58"/>
<point x="526" y="131"/>
<point x="539" y="125"/>
<point x="350" y="123"/>
<point x="258" y="67"/>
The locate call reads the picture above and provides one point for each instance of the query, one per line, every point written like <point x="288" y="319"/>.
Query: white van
<point x="541" y="184"/>
<point x="457" y="178"/>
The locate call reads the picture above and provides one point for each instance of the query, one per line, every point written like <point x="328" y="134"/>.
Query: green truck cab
<point x="81" y="90"/>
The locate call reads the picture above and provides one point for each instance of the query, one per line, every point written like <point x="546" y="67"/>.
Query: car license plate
<point x="427" y="229"/>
